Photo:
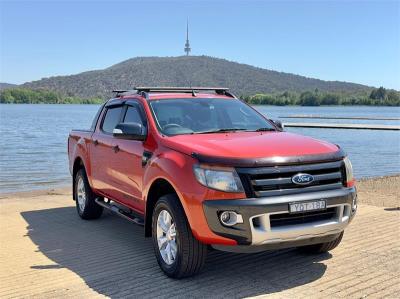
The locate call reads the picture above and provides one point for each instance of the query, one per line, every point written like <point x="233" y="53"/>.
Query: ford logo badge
<point x="302" y="179"/>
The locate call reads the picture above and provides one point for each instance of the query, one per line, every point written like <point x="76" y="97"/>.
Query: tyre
<point x="322" y="247"/>
<point x="178" y="252"/>
<point x="85" y="198"/>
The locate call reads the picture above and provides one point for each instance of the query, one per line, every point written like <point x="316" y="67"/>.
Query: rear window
<point x="111" y="119"/>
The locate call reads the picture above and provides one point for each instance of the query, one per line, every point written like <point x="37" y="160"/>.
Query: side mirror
<point x="133" y="131"/>
<point x="278" y="124"/>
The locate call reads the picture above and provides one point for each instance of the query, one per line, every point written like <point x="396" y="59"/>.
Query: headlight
<point x="349" y="172"/>
<point x="220" y="179"/>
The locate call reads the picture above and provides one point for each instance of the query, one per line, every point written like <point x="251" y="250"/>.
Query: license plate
<point x="299" y="207"/>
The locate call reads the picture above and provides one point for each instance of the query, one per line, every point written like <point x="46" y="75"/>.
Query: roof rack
<point x="144" y="90"/>
<point x="192" y="90"/>
<point x="123" y="92"/>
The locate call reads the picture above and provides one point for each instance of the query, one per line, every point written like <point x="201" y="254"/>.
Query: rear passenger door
<point x="102" y="150"/>
<point x="127" y="161"/>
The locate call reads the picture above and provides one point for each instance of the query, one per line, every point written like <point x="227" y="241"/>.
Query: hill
<point x="243" y="79"/>
<point x="7" y="85"/>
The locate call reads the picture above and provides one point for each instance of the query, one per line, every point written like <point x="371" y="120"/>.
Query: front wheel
<point x="322" y="247"/>
<point x="85" y="198"/>
<point x="178" y="252"/>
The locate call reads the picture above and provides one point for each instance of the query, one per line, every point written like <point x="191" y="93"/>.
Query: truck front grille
<point x="275" y="181"/>
<point x="278" y="220"/>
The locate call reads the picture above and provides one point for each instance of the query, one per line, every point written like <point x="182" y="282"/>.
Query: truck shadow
<point x="114" y="259"/>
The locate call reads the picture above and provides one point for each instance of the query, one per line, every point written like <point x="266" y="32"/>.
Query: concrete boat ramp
<point x="47" y="251"/>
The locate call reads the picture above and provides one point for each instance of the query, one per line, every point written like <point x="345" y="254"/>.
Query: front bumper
<point x="256" y="229"/>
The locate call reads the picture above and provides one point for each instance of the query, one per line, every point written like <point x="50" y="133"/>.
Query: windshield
<point x="200" y="116"/>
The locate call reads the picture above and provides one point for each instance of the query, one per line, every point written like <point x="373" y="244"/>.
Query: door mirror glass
<point x="132" y="130"/>
<point x="278" y="124"/>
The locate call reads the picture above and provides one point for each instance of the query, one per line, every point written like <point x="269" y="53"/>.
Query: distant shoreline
<point x="377" y="97"/>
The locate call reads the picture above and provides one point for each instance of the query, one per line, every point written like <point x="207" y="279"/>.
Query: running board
<point x="113" y="208"/>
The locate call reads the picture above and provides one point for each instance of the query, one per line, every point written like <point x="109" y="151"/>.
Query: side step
<point x="120" y="212"/>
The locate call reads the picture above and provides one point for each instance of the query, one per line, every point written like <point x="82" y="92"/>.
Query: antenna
<point x="187" y="45"/>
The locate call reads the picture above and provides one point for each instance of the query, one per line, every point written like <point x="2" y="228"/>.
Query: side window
<point x="111" y="119"/>
<point x="133" y="115"/>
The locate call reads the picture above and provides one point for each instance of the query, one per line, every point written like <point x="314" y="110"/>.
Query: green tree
<point x="309" y="99"/>
<point x="393" y="96"/>
<point x="378" y="94"/>
<point x="330" y="99"/>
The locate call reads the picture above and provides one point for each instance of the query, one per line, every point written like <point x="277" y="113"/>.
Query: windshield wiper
<point x="221" y="131"/>
<point x="265" y="129"/>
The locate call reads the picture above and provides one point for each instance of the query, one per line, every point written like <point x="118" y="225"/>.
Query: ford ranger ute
<point x="200" y="169"/>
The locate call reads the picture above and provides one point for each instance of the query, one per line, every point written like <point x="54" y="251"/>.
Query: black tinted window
<point x="132" y="115"/>
<point x="111" y="119"/>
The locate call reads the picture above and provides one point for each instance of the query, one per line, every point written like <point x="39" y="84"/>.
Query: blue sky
<point x="356" y="41"/>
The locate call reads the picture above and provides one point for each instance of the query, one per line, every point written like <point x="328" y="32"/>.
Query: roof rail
<point x="217" y="90"/>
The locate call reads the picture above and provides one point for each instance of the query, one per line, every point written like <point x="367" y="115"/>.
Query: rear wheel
<point x="322" y="247"/>
<point x="86" y="206"/>
<point x="178" y="252"/>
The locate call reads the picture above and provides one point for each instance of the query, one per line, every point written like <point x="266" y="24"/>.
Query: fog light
<point x="230" y="218"/>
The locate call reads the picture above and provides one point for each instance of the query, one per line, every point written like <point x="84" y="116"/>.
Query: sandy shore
<point x="382" y="192"/>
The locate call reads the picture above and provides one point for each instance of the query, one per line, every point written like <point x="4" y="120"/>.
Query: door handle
<point x="146" y="157"/>
<point x="95" y="142"/>
<point x="115" y="148"/>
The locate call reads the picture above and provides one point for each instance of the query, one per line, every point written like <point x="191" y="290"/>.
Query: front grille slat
<point x="328" y="176"/>
<point x="276" y="181"/>
<point x="268" y="182"/>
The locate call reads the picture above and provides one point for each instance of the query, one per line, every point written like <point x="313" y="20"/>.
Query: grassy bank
<point x="30" y="96"/>
<point x="377" y="97"/>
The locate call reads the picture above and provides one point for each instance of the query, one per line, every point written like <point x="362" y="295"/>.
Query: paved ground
<point x="381" y="191"/>
<point x="46" y="251"/>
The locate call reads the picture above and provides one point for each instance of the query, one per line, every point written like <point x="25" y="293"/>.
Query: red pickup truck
<point x="199" y="168"/>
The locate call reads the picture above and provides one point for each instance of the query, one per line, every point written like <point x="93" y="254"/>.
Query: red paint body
<point x="121" y="177"/>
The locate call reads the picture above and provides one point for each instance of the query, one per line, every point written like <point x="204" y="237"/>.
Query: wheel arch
<point x="159" y="187"/>
<point x="78" y="164"/>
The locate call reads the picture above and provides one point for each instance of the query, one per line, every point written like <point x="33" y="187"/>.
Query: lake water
<point x="33" y="147"/>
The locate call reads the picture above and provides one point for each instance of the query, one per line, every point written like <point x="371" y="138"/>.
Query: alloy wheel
<point x="81" y="193"/>
<point x="166" y="237"/>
